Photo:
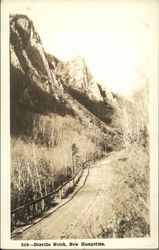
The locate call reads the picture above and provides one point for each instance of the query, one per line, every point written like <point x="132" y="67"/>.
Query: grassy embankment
<point x="127" y="214"/>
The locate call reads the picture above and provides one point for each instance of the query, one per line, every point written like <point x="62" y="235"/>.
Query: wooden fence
<point x="25" y="214"/>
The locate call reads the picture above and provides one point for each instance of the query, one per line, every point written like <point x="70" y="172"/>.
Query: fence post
<point x="12" y="222"/>
<point x="73" y="180"/>
<point x="15" y="219"/>
<point x="60" y="194"/>
<point x="33" y="210"/>
<point x="42" y="205"/>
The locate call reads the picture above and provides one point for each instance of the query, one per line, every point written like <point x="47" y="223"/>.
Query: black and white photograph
<point x="80" y="146"/>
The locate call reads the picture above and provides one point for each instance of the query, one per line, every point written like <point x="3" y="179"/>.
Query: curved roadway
<point x="84" y="216"/>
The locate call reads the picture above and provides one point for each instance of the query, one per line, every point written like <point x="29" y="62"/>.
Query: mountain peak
<point x="79" y="58"/>
<point x="76" y="76"/>
<point x="29" y="58"/>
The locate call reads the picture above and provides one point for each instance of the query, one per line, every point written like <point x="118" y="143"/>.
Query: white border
<point x="6" y="242"/>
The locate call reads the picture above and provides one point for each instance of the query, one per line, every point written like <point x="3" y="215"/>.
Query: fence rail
<point x="24" y="214"/>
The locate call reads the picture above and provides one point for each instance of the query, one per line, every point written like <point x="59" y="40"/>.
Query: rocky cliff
<point x="41" y="83"/>
<point x="31" y="77"/>
<point x="75" y="75"/>
<point x="77" y="80"/>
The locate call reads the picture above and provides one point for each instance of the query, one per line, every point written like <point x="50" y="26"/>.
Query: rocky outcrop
<point x="29" y="65"/>
<point x="75" y="75"/>
<point x="78" y="81"/>
<point x="107" y="94"/>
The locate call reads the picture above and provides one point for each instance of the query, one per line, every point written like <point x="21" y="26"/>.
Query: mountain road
<point x="84" y="215"/>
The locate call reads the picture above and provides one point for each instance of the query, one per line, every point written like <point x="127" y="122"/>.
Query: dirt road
<point x="83" y="216"/>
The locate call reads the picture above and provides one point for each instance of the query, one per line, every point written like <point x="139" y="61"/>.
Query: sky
<point x="115" y="37"/>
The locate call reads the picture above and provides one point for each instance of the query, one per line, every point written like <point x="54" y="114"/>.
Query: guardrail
<point x="25" y="214"/>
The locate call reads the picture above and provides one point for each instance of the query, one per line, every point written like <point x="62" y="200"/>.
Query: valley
<point x="60" y="119"/>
